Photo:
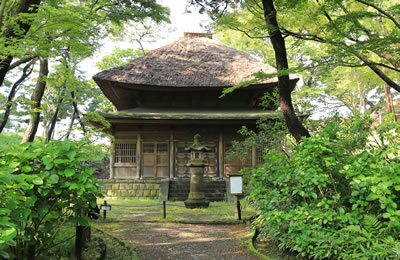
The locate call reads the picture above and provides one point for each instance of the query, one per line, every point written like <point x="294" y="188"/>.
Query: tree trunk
<point x="25" y="6"/>
<point x="71" y="123"/>
<point x="36" y="98"/>
<point x="2" y="9"/>
<point x="53" y="119"/>
<point x="77" y="112"/>
<point x="13" y="91"/>
<point x="278" y="43"/>
<point x="389" y="99"/>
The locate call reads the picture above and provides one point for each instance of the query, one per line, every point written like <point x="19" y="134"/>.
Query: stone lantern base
<point x="196" y="198"/>
<point x="196" y="204"/>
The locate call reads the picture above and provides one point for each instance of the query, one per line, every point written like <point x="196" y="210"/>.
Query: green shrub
<point x="42" y="187"/>
<point x="315" y="200"/>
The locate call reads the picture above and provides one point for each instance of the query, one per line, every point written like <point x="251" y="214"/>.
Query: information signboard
<point x="236" y="185"/>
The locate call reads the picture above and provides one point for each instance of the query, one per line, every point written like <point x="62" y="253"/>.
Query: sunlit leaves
<point x="336" y="195"/>
<point x="42" y="191"/>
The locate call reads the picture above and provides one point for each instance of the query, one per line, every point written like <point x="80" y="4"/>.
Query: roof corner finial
<point x="192" y="35"/>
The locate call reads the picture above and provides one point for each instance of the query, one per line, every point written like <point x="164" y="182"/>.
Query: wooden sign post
<point x="236" y="188"/>
<point x="105" y="208"/>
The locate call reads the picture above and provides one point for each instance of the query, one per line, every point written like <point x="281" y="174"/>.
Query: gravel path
<point x="155" y="241"/>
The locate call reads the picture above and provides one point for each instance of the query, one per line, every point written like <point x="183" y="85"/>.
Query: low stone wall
<point x="149" y="189"/>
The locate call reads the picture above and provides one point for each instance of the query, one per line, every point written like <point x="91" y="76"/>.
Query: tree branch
<point x="381" y="11"/>
<point x="21" y="61"/>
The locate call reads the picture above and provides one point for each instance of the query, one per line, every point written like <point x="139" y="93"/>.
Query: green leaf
<point x="37" y="180"/>
<point x="371" y="196"/>
<point x="5" y="178"/>
<point x="4" y="254"/>
<point x="74" y="186"/>
<point x="53" y="179"/>
<point x="69" y="172"/>
<point x="4" y="211"/>
<point x="44" y="192"/>
<point x="47" y="160"/>
<point x="49" y="166"/>
<point x="26" y="168"/>
<point x="71" y="155"/>
<point x="84" y="221"/>
<point x="14" y="164"/>
<point x="60" y="161"/>
<point x="4" y="221"/>
<point x="8" y="234"/>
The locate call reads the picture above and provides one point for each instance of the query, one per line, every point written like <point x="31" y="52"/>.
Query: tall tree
<point x="14" y="31"/>
<point x="318" y="60"/>
<point x="278" y="42"/>
<point x="36" y="99"/>
<point x="66" y="26"/>
<point x="26" y="72"/>
<point x="359" y="33"/>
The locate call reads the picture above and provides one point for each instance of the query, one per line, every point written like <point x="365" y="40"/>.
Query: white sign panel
<point x="236" y="185"/>
<point x="105" y="207"/>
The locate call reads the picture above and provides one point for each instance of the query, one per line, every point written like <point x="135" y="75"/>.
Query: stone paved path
<point x="163" y="241"/>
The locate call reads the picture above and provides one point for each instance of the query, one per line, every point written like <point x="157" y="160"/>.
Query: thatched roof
<point x="188" y="62"/>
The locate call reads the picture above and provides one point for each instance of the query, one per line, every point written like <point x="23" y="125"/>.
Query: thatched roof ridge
<point x="188" y="62"/>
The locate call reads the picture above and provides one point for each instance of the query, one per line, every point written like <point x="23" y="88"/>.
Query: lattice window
<point x="162" y="148"/>
<point x="260" y="154"/>
<point x="148" y="148"/>
<point x="125" y="153"/>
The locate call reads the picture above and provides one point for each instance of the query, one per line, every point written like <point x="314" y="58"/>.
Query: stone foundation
<point x="125" y="189"/>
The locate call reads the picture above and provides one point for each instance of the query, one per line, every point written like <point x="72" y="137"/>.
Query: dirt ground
<point x="177" y="241"/>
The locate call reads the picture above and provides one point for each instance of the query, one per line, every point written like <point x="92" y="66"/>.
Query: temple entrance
<point x="155" y="161"/>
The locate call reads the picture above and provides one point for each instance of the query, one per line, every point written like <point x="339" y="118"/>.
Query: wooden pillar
<point x="138" y="154"/>
<point x="171" y="154"/>
<point x="221" y="155"/>
<point x="253" y="157"/>
<point x="112" y="159"/>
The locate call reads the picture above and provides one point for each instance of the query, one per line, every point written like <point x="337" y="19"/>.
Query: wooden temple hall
<point x="168" y="95"/>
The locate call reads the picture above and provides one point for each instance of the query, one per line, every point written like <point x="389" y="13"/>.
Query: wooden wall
<point x="158" y="151"/>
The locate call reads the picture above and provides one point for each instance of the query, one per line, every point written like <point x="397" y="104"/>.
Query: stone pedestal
<point x="196" y="197"/>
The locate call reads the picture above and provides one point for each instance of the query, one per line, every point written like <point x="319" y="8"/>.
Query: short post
<point x="236" y="188"/>
<point x="164" y="209"/>
<point x="79" y="242"/>
<point x="238" y="213"/>
<point x="104" y="207"/>
<point x="105" y="211"/>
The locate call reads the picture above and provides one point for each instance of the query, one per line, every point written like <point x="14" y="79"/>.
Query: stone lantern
<point x="196" y="166"/>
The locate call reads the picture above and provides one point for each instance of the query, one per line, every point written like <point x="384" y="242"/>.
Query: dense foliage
<point x="325" y="41"/>
<point x="41" y="188"/>
<point x="336" y="195"/>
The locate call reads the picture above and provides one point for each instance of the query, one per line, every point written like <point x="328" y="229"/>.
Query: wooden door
<point x="155" y="161"/>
